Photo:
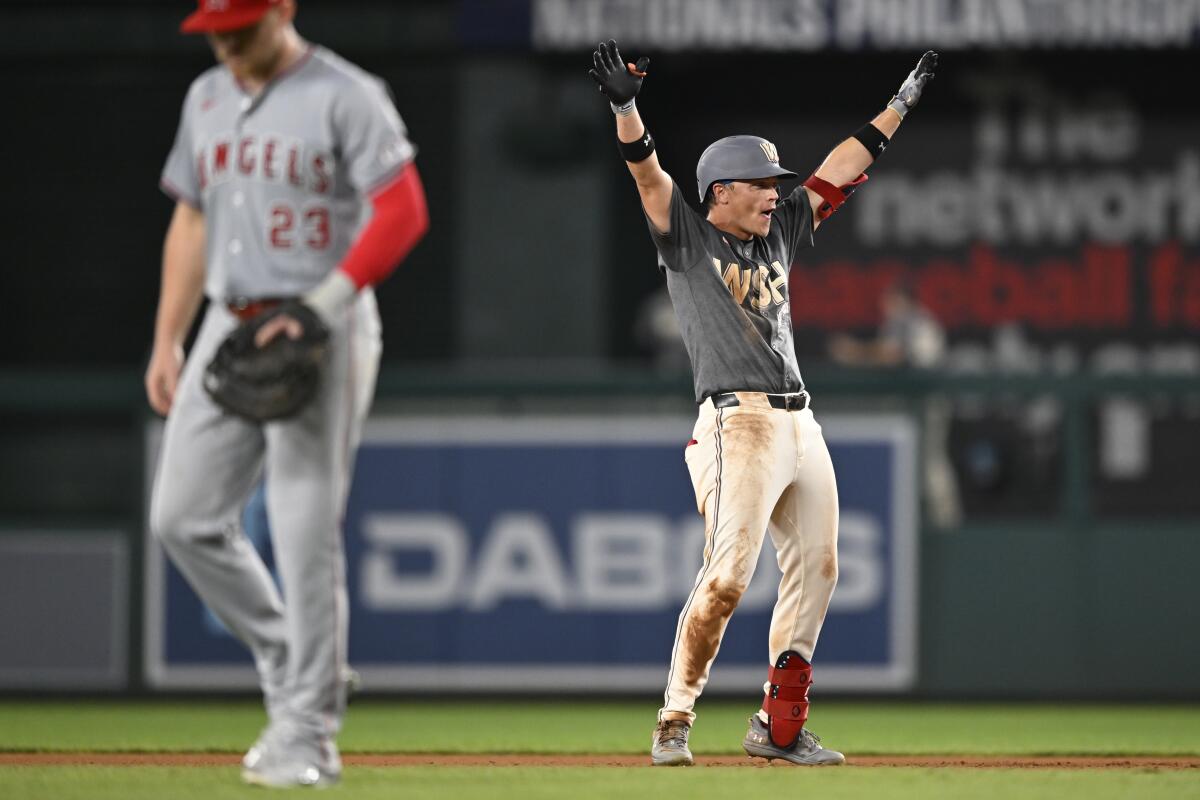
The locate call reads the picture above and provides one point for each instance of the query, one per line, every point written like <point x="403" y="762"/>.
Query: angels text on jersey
<point x="264" y="157"/>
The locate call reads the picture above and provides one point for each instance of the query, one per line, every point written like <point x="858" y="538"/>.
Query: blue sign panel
<point x="556" y="553"/>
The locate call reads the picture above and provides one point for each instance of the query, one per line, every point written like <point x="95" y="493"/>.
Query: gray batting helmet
<point x="738" y="158"/>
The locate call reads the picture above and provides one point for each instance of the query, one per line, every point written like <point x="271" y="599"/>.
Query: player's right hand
<point x="619" y="81"/>
<point x="162" y="376"/>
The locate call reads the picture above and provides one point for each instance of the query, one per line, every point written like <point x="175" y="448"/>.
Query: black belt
<point x="785" y="402"/>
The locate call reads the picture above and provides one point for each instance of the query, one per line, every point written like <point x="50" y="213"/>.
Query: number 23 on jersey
<point x="292" y="228"/>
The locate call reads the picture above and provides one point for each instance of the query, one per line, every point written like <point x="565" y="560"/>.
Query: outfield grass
<point x="858" y="728"/>
<point x="862" y="728"/>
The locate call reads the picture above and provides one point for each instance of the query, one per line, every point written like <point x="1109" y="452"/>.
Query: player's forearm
<point x="630" y="126"/>
<point x="654" y="185"/>
<point x="648" y="173"/>
<point x="846" y="165"/>
<point x="851" y="158"/>
<point x="182" y="277"/>
<point x="620" y="82"/>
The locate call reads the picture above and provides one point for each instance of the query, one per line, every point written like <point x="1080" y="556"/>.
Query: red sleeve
<point x="400" y="220"/>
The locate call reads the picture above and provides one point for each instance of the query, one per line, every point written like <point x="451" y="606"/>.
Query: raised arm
<point x="845" y="166"/>
<point x="620" y="82"/>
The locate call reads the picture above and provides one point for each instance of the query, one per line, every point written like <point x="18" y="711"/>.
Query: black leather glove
<point x="910" y="91"/>
<point x="619" y="81"/>
<point x="275" y="381"/>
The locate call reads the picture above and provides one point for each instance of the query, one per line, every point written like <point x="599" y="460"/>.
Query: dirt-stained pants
<point x="755" y="468"/>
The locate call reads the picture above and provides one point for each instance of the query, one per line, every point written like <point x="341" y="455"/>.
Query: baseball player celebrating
<point x="295" y="193"/>
<point x="757" y="459"/>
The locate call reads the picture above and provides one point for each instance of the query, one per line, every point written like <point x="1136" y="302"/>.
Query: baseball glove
<point x="271" y="382"/>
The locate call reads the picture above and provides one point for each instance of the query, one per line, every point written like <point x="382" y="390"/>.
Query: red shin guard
<point x="786" y="703"/>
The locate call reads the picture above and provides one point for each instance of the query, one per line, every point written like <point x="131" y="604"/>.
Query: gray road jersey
<point x="731" y="297"/>
<point x="280" y="177"/>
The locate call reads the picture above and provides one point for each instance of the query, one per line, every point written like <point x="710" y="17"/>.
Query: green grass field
<point x="857" y="728"/>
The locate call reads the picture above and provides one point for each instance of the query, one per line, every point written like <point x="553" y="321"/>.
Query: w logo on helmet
<point x="769" y="151"/>
<point x="216" y="5"/>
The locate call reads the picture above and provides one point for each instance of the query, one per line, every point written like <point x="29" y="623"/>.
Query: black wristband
<point x="873" y="139"/>
<point x="639" y="150"/>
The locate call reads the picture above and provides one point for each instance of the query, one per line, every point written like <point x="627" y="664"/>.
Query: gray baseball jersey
<point x="280" y="176"/>
<point x="754" y="468"/>
<point x="731" y="297"/>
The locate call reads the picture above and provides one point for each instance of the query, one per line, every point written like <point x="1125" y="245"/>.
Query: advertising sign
<point x="554" y="554"/>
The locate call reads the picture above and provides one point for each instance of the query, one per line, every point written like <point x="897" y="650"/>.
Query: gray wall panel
<point x="64" y="610"/>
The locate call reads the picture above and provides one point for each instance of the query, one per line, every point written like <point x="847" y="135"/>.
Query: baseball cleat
<point x="669" y="747"/>
<point x="265" y="742"/>
<point x="282" y="759"/>
<point x="289" y="777"/>
<point x="806" y="751"/>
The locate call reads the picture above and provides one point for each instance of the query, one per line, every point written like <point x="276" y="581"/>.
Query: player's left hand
<point x="162" y="376"/>
<point x="619" y="81"/>
<point x="910" y="91"/>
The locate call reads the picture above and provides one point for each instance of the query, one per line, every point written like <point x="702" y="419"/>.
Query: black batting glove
<point x="620" y="81"/>
<point x="910" y="91"/>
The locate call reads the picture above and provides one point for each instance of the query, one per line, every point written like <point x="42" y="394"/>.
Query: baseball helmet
<point x="738" y="158"/>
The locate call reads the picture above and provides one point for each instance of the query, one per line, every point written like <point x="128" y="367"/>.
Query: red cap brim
<point x="221" y="21"/>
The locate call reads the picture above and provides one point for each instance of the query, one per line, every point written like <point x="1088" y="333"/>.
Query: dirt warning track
<point x="593" y="760"/>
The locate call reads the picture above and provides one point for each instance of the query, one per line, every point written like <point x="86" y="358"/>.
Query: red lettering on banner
<point x="1174" y="288"/>
<point x="1164" y="278"/>
<point x="245" y="156"/>
<point x="1108" y="266"/>
<point x="843" y="300"/>
<point x="801" y="293"/>
<point x="268" y="159"/>
<point x="883" y="275"/>
<point x="984" y="290"/>
<point x="941" y="287"/>
<point x="1060" y="303"/>
<point x="318" y="165"/>
<point x="1191" y="296"/>
<point x="998" y="288"/>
